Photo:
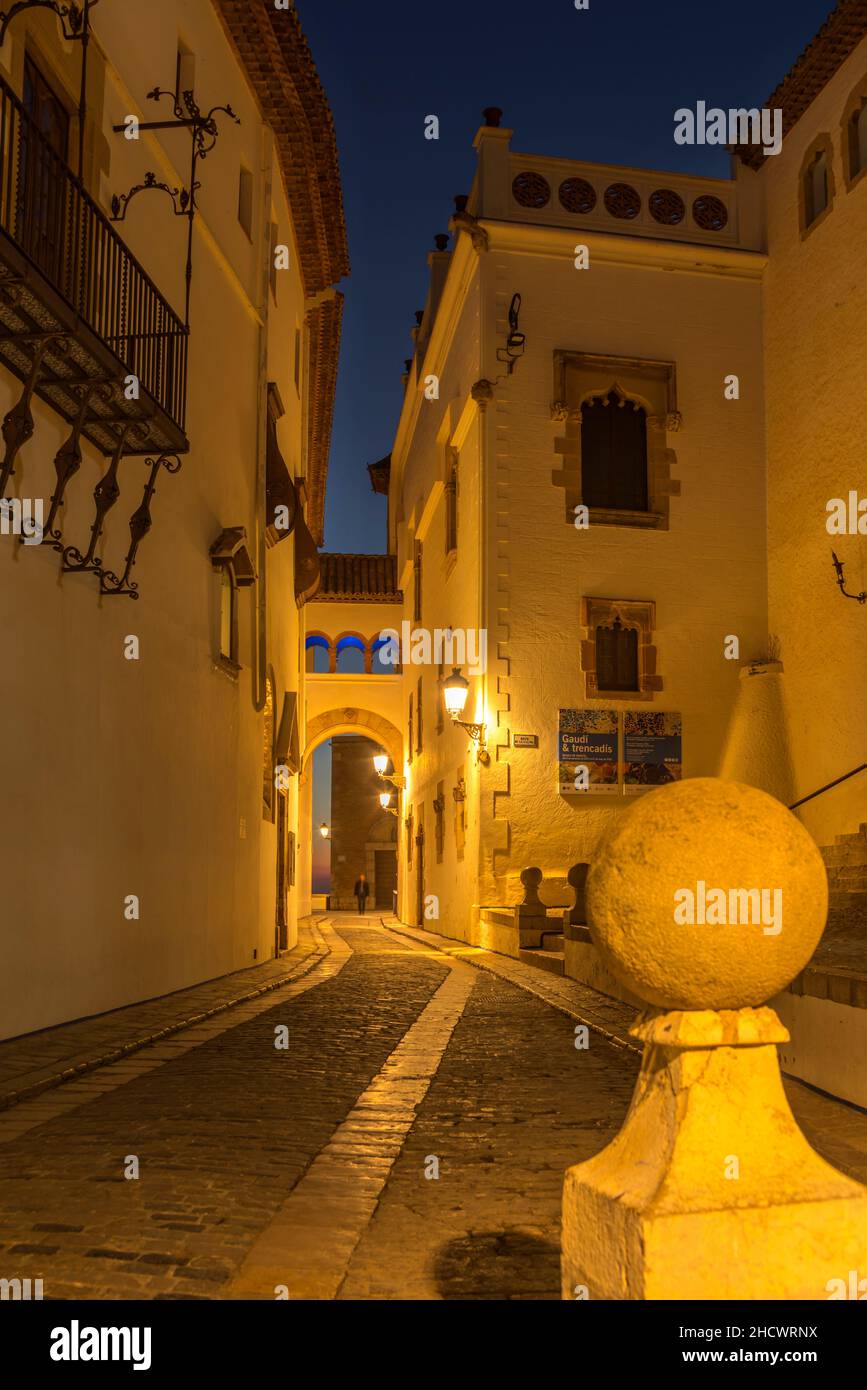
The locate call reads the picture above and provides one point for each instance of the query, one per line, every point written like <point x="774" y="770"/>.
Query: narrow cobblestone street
<point x="409" y="1141"/>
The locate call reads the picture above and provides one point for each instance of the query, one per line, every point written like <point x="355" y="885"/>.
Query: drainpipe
<point x="261" y="638"/>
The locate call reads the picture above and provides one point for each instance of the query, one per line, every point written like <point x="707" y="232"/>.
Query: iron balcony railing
<point x="46" y="212"/>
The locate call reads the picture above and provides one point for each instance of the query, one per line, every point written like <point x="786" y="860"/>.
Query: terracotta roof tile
<point x="841" y="33"/>
<point x="276" y="56"/>
<point x="357" y="578"/>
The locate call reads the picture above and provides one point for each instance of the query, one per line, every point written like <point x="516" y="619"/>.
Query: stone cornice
<point x="619" y="249"/>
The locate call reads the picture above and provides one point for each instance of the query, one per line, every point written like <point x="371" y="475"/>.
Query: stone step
<point x="859" y="836"/>
<point x="555" y="961"/>
<point x="552" y="940"/>
<point x="847" y="878"/>
<point x="836" y="856"/>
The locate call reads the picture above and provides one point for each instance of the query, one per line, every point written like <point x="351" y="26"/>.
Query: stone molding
<point x="638" y="614"/>
<point x="649" y="384"/>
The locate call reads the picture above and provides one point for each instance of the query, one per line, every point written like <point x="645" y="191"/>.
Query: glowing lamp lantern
<point x="384" y="800"/>
<point x="323" y="830"/>
<point x="455" y="692"/>
<point x="380" y="762"/>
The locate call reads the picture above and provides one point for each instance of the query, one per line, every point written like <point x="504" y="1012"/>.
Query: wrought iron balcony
<point x="79" y="316"/>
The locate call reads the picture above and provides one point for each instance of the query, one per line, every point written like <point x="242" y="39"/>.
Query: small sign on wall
<point x="525" y="740"/>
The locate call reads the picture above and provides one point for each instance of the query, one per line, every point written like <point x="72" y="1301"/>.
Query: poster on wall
<point x="587" y="751"/>
<point x="652" y="751"/>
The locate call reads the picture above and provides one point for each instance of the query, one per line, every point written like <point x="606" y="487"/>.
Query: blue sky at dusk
<point x="599" y="85"/>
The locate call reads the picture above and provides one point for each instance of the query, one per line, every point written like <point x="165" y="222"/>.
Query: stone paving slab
<point x="39" y="1061"/>
<point x="608" y="1017"/>
<point x="836" y="1129"/>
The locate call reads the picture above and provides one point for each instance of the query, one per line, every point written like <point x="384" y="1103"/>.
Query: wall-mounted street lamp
<point x="455" y="692"/>
<point x="380" y="763"/>
<point x="324" y="831"/>
<point x="385" y="803"/>
<point x="838" y="566"/>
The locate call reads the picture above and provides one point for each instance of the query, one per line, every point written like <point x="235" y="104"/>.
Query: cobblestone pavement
<point x="409" y="1142"/>
<point x="39" y="1060"/>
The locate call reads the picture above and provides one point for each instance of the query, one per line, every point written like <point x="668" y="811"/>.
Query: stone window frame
<point x="658" y="400"/>
<point x="639" y="614"/>
<point x="822" y="144"/>
<point x="857" y="99"/>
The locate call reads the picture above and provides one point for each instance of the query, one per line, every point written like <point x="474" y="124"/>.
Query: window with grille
<point x="614" y="454"/>
<point x="816" y="187"/>
<point x="617" y="657"/>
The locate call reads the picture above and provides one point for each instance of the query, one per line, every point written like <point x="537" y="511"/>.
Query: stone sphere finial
<point x="707" y="895"/>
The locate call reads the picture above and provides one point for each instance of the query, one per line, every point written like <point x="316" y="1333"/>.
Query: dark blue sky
<point x="599" y="85"/>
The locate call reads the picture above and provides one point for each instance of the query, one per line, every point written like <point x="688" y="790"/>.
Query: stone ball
<point x="707" y="895"/>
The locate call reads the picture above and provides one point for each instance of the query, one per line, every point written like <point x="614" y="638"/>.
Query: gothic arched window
<point x="614" y="454"/>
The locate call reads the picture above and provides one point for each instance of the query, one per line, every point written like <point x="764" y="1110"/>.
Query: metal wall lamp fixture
<point x="455" y="691"/>
<point x="838" y="566"/>
<point x="380" y="763"/>
<point x="516" y="340"/>
<point x="385" y="803"/>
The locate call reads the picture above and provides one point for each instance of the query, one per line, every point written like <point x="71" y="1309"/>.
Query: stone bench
<point x="551" y="903"/>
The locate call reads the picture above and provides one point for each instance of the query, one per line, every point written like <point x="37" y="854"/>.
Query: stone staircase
<point x="845" y="938"/>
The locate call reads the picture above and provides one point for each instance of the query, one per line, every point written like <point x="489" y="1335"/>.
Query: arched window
<point x="318" y="655"/>
<point x="815" y="187"/>
<point x="858" y="140"/>
<point x="614" y="454"/>
<point x="379" y="667"/>
<point x="617" y="657"/>
<point x="351" y="656"/>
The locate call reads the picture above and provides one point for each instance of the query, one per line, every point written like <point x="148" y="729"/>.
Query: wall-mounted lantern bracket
<point x="204" y="132"/>
<point x="839" y="566"/>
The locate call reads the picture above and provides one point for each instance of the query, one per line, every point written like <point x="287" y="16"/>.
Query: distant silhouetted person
<point x="361" y="890"/>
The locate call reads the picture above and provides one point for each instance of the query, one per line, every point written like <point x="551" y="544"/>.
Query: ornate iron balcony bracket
<point x="180" y="197"/>
<point x="839" y="567"/>
<point x="18" y="422"/>
<point x="139" y="525"/>
<point x="67" y="462"/>
<point x="105" y="494"/>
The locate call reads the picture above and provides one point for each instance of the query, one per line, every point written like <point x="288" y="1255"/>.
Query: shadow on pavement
<point x="510" y="1264"/>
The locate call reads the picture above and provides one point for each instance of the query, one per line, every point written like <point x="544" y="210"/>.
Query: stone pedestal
<point x="710" y="1191"/>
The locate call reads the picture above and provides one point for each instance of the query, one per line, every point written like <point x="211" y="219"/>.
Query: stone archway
<point x="341" y="720"/>
<point x="355" y="721"/>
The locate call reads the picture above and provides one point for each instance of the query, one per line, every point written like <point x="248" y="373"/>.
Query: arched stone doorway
<point x="330" y="724"/>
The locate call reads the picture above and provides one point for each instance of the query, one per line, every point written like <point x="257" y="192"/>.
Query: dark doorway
<point x="386" y="877"/>
<point x="285" y="872"/>
<point x="419" y="876"/>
